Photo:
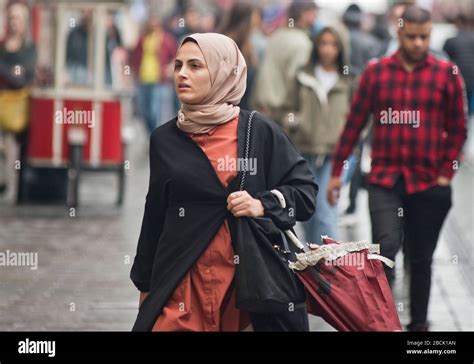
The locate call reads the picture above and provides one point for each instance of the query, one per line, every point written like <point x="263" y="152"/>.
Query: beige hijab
<point x="228" y="73"/>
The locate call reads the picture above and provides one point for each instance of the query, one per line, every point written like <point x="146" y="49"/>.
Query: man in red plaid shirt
<point x="419" y="109"/>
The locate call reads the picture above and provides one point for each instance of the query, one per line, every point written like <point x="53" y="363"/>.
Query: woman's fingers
<point x="242" y="204"/>
<point x="242" y="213"/>
<point x="236" y="198"/>
<point x="237" y="194"/>
<point x="243" y="210"/>
<point x="237" y="201"/>
<point x="241" y="207"/>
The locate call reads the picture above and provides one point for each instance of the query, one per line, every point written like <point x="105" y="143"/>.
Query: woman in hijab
<point x="185" y="262"/>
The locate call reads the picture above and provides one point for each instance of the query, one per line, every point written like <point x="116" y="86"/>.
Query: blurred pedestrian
<point x="394" y="15"/>
<point x="239" y="26"/>
<point x="16" y="50"/>
<point x="187" y="21"/>
<point x="460" y="50"/>
<point x="287" y="50"/>
<point x="17" y="73"/>
<point x="114" y="52"/>
<point x="364" y="46"/>
<point x="323" y="100"/>
<point x="258" y="37"/>
<point x="419" y="110"/>
<point x="77" y="49"/>
<point x="152" y="63"/>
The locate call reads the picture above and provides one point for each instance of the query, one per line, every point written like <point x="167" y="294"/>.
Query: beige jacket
<point x="318" y="119"/>
<point x="288" y="49"/>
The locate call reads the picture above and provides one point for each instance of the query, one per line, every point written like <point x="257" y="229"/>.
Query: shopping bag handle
<point x="289" y="233"/>
<point x="390" y="263"/>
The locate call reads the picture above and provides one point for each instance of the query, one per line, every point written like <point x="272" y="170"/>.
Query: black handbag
<point x="264" y="283"/>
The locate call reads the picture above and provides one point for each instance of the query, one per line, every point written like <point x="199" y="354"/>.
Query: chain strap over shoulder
<point x="247" y="150"/>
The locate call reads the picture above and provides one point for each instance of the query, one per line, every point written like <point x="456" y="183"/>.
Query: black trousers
<point x="296" y="320"/>
<point x="414" y="220"/>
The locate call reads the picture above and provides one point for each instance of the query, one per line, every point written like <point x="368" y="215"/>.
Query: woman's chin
<point x="188" y="99"/>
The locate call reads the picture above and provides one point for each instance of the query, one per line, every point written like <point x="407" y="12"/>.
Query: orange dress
<point x="205" y="299"/>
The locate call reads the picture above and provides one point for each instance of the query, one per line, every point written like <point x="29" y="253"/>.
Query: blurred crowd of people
<point x="252" y="24"/>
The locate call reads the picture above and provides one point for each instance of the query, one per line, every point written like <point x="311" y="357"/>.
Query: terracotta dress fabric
<point x="205" y="299"/>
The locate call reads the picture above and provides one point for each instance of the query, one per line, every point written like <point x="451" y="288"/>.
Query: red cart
<point x="76" y="121"/>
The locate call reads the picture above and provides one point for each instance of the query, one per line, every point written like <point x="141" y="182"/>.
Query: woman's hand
<point x="242" y="204"/>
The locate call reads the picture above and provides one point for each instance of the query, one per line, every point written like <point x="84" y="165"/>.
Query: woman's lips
<point x="184" y="87"/>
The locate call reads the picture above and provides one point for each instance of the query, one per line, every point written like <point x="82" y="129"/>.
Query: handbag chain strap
<point x="288" y="233"/>
<point x="247" y="150"/>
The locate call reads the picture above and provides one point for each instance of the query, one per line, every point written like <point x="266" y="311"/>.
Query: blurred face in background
<point x="414" y="39"/>
<point x="192" y="80"/>
<point x="109" y="21"/>
<point x="308" y="17"/>
<point x="192" y="19"/>
<point x="395" y="14"/>
<point x="328" y="48"/>
<point x="152" y="24"/>
<point x="256" y="19"/>
<point x="207" y="23"/>
<point x="86" y="17"/>
<point x="17" y="19"/>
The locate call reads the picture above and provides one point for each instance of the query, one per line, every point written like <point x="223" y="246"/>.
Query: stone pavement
<point x="82" y="283"/>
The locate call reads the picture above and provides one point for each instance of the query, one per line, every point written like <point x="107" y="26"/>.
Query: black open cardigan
<point x="186" y="203"/>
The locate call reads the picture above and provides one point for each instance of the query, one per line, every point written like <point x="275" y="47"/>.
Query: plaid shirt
<point x="419" y="122"/>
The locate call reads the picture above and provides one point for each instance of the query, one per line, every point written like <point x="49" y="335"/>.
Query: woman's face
<point x="192" y="80"/>
<point x="328" y="49"/>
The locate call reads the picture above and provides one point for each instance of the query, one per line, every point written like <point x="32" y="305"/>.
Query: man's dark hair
<point x="415" y="14"/>
<point x="352" y="17"/>
<point x="298" y="7"/>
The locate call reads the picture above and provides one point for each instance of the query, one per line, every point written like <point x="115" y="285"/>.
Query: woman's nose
<point x="182" y="73"/>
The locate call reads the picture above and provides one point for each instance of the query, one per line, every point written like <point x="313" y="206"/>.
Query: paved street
<point x="81" y="282"/>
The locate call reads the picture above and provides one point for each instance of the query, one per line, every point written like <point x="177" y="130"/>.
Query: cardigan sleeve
<point x="152" y="225"/>
<point x="289" y="173"/>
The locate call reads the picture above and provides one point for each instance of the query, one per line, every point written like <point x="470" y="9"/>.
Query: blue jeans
<point x="149" y="101"/>
<point x="324" y="221"/>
